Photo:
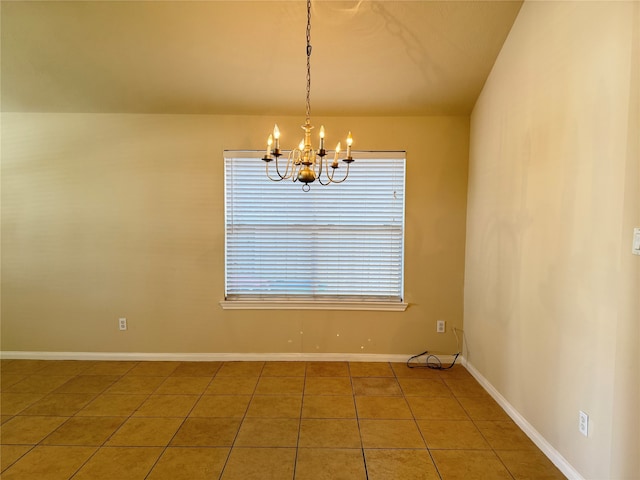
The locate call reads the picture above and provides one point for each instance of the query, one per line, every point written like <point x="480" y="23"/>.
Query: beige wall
<point x="108" y="216"/>
<point x="551" y="286"/>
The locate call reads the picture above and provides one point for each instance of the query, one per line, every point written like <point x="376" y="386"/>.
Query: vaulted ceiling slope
<point x="248" y="57"/>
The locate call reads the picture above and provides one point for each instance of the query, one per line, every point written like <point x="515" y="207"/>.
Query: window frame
<point x="317" y="302"/>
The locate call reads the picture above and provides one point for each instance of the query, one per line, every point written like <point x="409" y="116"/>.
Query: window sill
<point x="302" y="305"/>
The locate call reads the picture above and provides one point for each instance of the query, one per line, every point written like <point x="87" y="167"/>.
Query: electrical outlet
<point x="583" y="423"/>
<point x="635" y="249"/>
<point x="122" y="323"/>
<point x="440" y="325"/>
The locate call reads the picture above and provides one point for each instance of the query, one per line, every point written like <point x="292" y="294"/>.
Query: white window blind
<point x="334" y="243"/>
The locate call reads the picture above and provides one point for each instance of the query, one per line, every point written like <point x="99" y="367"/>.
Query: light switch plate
<point x="636" y="241"/>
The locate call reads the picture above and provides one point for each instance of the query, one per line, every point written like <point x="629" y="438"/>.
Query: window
<point x="337" y="246"/>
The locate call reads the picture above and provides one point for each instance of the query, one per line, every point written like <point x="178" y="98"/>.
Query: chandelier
<point x="304" y="163"/>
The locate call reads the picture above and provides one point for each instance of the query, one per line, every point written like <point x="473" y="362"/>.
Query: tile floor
<point x="255" y="420"/>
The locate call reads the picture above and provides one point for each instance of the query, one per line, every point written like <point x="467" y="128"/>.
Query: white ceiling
<point x="248" y="57"/>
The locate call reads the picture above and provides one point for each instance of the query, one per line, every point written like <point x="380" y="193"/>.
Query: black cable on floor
<point x="432" y="361"/>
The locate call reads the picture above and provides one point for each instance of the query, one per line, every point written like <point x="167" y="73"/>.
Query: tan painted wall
<point x="551" y="286"/>
<point x="106" y="216"/>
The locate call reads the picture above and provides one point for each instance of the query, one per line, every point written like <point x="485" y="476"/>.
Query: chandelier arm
<point x="282" y="177"/>
<point x="296" y="166"/>
<point x="295" y="157"/>
<point x="319" y="176"/>
<point x="286" y="172"/>
<point x="270" y="177"/>
<point x="291" y="164"/>
<point x="345" y="176"/>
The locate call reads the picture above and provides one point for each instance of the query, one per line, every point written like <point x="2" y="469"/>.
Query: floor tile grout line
<point x="164" y="449"/>
<point x="295" y="459"/>
<point x="127" y="418"/>
<point x="493" y="450"/>
<point x="132" y="415"/>
<point x="364" y="456"/>
<point x="231" y="447"/>
<point x="355" y="407"/>
<point x="79" y="373"/>
<point x="40" y="443"/>
<point x="31" y="447"/>
<point x="473" y="421"/>
<point x="415" y="420"/>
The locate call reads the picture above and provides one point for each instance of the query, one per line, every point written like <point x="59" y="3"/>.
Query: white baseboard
<point x="210" y="357"/>
<point x="553" y="455"/>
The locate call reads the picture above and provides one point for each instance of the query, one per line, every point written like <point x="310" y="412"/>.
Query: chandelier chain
<point x="308" y="61"/>
<point x="305" y="164"/>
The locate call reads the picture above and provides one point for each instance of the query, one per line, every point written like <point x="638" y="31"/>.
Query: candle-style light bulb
<point x="269" y="143"/>
<point x="349" y="143"/>
<point x="276" y="136"/>
<point x="321" y="137"/>
<point x="335" y="157"/>
<point x="301" y="145"/>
